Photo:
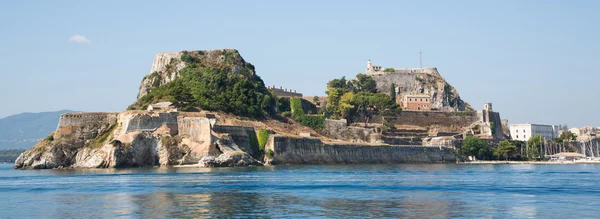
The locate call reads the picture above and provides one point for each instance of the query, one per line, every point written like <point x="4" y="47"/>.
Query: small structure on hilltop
<point x="283" y="92"/>
<point x="378" y="70"/>
<point x="416" y="102"/>
<point x="162" y="106"/>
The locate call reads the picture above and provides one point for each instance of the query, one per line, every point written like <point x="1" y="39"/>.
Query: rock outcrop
<point x="444" y="97"/>
<point x="133" y="139"/>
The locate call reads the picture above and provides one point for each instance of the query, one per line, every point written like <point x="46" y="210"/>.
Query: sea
<point x="305" y="191"/>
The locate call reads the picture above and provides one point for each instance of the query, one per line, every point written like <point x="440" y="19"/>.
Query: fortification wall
<point x="83" y="126"/>
<point x="81" y="119"/>
<point x="337" y="129"/>
<point x="149" y="122"/>
<point x="451" y="120"/>
<point x="294" y="150"/>
<point x="195" y="128"/>
<point x="243" y="136"/>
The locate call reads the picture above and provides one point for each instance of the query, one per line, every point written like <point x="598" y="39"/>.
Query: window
<point x="517" y="131"/>
<point x="517" y="136"/>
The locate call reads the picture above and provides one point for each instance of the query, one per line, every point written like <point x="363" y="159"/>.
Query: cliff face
<point x="167" y="66"/>
<point x="130" y="139"/>
<point x="444" y="97"/>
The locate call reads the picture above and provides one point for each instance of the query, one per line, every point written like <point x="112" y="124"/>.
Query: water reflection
<point x="338" y="191"/>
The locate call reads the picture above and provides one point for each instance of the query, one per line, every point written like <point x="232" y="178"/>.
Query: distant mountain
<point x="25" y="129"/>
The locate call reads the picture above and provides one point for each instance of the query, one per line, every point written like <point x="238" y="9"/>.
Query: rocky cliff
<point x="134" y="138"/>
<point x="444" y="97"/>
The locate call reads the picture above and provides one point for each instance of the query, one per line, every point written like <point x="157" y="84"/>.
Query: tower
<point x="369" y="67"/>
<point x="487" y="106"/>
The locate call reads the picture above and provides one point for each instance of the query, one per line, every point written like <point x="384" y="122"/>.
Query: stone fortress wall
<point x="149" y="122"/>
<point x="239" y="134"/>
<point x="81" y="119"/>
<point x="296" y="150"/>
<point x="283" y="92"/>
<point x="84" y="124"/>
<point x="338" y="129"/>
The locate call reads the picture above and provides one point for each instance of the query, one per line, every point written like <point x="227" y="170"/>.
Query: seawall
<point x="296" y="150"/>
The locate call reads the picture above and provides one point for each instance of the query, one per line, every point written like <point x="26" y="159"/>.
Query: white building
<point x="523" y="132"/>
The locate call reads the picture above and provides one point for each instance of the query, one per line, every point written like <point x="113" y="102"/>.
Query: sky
<point x="534" y="60"/>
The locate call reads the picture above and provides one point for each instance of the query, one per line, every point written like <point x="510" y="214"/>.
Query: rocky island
<point x="209" y="108"/>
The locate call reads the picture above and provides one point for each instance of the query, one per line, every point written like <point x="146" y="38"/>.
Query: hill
<point x="217" y="80"/>
<point x="25" y="129"/>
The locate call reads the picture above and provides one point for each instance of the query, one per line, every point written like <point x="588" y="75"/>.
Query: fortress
<point x="378" y="70"/>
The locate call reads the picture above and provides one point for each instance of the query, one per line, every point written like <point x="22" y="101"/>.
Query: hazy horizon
<point x="534" y="60"/>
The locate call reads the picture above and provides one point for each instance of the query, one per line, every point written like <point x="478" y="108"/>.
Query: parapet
<point x="283" y="92"/>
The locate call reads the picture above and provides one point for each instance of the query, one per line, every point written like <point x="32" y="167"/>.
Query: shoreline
<point x="528" y="162"/>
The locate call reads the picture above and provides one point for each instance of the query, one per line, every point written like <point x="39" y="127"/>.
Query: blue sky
<point x="534" y="60"/>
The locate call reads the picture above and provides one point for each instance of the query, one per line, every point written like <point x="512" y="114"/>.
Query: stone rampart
<point x="83" y="126"/>
<point x="452" y="120"/>
<point x="195" y="128"/>
<point x="241" y="135"/>
<point x="295" y="150"/>
<point x="338" y="129"/>
<point x="81" y="119"/>
<point x="150" y="122"/>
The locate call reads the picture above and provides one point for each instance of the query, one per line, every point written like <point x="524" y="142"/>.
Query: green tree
<point x="473" y="146"/>
<point x="364" y="83"/>
<point x="534" y="147"/>
<point x="389" y="70"/>
<point x="505" y="150"/>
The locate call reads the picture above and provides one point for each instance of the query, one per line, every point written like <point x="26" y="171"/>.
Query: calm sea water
<point x="339" y="191"/>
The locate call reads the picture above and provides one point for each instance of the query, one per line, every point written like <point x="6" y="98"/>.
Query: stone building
<point x="490" y="124"/>
<point x="283" y="92"/>
<point x="523" y="132"/>
<point x="416" y="102"/>
<point x="162" y="106"/>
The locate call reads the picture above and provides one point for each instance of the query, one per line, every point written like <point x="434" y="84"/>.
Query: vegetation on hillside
<point x="315" y="122"/>
<point x="358" y="100"/>
<point x="217" y="88"/>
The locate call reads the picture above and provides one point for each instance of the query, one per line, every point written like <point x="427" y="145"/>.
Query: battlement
<point x="83" y="118"/>
<point x="379" y="70"/>
<point x="283" y="92"/>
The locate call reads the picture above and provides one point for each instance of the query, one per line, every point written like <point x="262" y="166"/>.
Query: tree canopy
<point x="473" y="146"/>
<point x="505" y="150"/>
<point x="358" y="99"/>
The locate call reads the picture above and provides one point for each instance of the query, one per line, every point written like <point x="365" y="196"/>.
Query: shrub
<point x="254" y="145"/>
<point x="389" y="70"/>
<point x="313" y="121"/>
<point x="49" y="138"/>
<point x="270" y="154"/>
<point x="263" y="137"/>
